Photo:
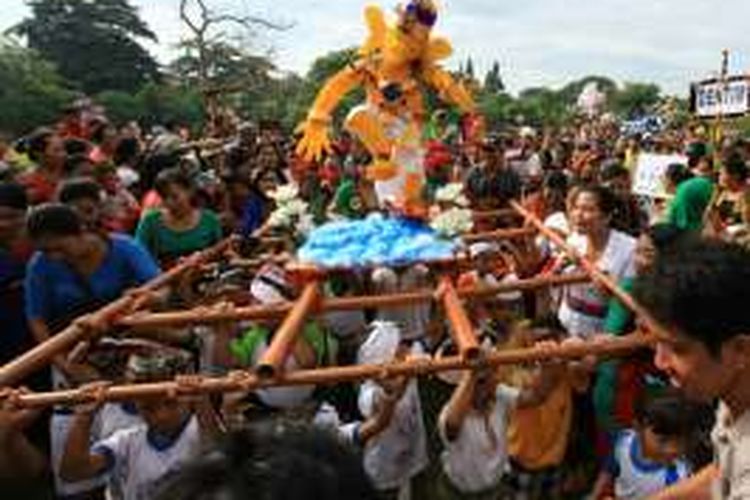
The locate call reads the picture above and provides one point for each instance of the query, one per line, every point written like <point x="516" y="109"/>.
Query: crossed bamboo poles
<point x="269" y="371"/>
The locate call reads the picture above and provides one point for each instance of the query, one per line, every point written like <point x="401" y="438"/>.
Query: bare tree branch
<point x="186" y="19"/>
<point x="252" y="21"/>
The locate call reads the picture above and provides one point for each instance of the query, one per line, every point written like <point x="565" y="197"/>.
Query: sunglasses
<point x="423" y="15"/>
<point x="392" y="92"/>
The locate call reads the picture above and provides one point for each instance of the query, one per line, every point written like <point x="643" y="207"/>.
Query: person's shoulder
<point x="151" y="214"/>
<point x="577" y="241"/>
<point x="150" y="220"/>
<point x="209" y="216"/>
<point x="124" y="438"/>
<point x="622" y="441"/>
<point x="123" y="241"/>
<point x="39" y="263"/>
<point x="622" y="239"/>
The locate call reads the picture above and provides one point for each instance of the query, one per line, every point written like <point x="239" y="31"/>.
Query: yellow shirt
<point x="538" y="436"/>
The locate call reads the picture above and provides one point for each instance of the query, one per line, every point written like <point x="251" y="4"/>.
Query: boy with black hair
<point x="700" y="294"/>
<point x="85" y="196"/>
<point x="650" y="456"/>
<point x="138" y="458"/>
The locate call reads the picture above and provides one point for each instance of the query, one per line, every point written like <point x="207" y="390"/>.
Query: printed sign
<point x="648" y="178"/>
<point x="712" y="98"/>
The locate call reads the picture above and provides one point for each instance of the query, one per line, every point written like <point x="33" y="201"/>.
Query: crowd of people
<point x="90" y="209"/>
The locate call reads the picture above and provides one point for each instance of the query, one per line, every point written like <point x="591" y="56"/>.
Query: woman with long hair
<point x="179" y="227"/>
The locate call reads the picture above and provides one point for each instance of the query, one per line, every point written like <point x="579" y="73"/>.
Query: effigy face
<point x="408" y="40"/>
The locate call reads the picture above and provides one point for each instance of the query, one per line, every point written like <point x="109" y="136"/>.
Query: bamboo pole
<point x="596" y="274"/>
<point x="195" y="260"/>
<point x="493" y="214"/>
<point x="87" y="326"/>
<point x="461" y="329"/>
<point x="205" y="315"/>
<point x="601" y="348"/>
<point x="272" y="361"/>
<point x="514" y="233"/>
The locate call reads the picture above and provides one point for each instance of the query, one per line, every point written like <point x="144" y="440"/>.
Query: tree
<point x="493" y="82"/>
<point x="93" y="43"/>
<point x="32" y="93"/>
<point x="217" y="67"/>
<point x="154" y="104"/>
<point x="469" y="70"/>
<point x="636" y="99"/>
<point x="541" y="106"/>
<point x="496" y="108"/>
<point x="227" y="67"/>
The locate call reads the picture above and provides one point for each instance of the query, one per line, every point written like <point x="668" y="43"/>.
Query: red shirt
<point x="39" y="187"/>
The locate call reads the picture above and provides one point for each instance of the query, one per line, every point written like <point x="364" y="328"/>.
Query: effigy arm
<point x="315" y="140"/>
<point x="450" y="90"/>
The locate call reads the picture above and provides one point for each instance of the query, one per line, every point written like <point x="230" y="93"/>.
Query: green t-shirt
<point x="689" y="204"/>
<point x="619" y="318"/>
<point x="167" y="245"/>
<point x="325" y="345"/>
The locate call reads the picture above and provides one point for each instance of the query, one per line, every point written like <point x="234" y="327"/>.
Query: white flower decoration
<point x="453" y="222"/>
<point x="291" y="212"/>
<point x="284" y="194"/>
<point x="452" y="193"/>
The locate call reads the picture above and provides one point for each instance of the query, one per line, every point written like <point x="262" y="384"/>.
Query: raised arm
<point x="458" y="406"/>
<point x="696" y="487"/>
<point x="78" y="462"/>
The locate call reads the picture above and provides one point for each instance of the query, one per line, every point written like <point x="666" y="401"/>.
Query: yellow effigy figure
<point x="393" y="65"/>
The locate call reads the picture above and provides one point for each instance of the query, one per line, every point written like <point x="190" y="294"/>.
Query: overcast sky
<point x="537" y="42"/>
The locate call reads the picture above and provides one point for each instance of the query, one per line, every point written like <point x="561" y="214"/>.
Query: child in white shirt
<point x="473" y="428"/>
<point x="398" y="453"/>
<point x="650" y="457"/>
<point x="136" y="459"/>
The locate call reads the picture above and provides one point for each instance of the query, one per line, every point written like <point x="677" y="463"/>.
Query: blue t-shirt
<point x="15" y="337"/>
<point x="55" y="291"/>
<point x="252" y="215"/>
<point x="635" y="476"/>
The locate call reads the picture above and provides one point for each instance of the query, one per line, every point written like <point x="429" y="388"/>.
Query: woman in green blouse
<point x="178" y="228"/>
<point x="620" y="320"/>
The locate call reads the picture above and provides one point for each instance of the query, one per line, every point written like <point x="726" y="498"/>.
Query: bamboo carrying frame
<point x="128" y="311"/>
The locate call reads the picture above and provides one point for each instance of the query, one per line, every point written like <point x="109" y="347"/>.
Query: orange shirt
<point x="538" y="436"/>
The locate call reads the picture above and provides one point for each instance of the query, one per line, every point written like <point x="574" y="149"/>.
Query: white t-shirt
<point x="60" y="425"/>
<point x="114" y="417"/>
<point x="400" y="451"/>
<point x="472" y="462"/>
<point x="617" y="260"/>
<point x="138" y="465"/>
<point x="283" y="397"/>
<point x="636" y="478"/>
<point x="111" y="418"/>
<point x="731" y="440"/>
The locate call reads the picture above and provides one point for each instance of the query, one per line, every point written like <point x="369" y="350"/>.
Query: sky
<point x="536" y="42"/>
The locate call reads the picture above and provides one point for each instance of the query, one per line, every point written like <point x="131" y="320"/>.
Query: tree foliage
<point x="227" y="67"/>
<point x="31" y="91"/>
<point x="93" y="43"/>
<point x="155" y="104"/>
<point x="493" y="81"/>
<point x="636" y="99"/>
